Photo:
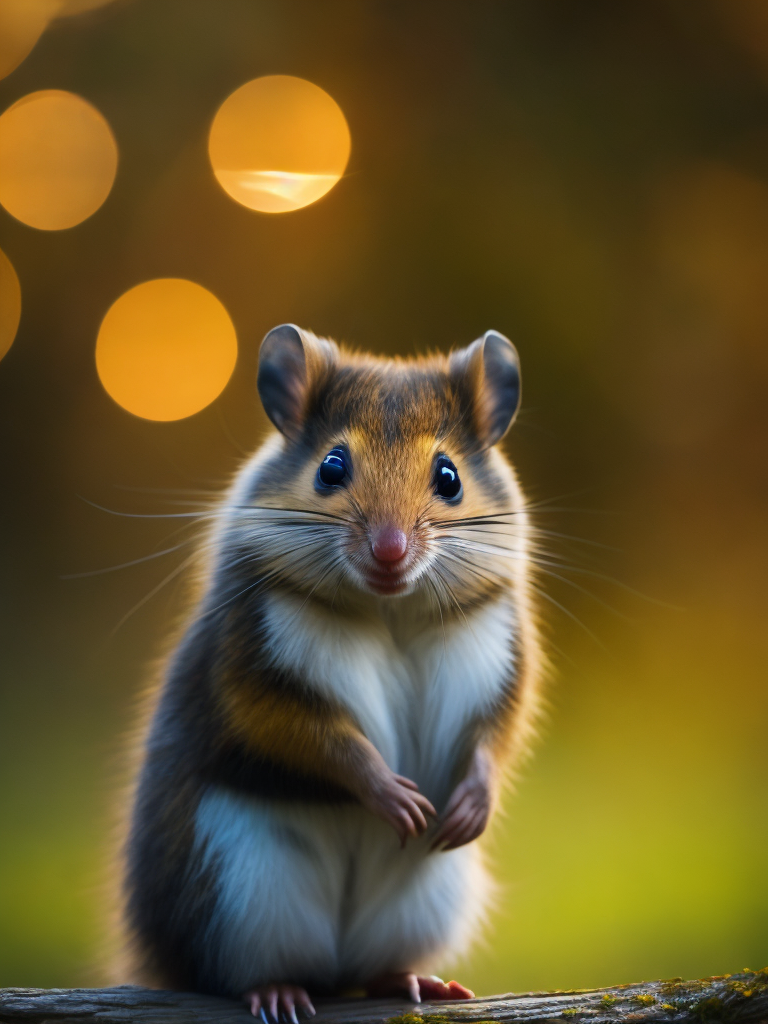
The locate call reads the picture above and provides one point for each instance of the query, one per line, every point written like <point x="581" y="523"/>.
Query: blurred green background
<point x="592" y="180"/>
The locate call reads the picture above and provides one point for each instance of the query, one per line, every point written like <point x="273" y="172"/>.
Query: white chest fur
<point x="413" y="693"/>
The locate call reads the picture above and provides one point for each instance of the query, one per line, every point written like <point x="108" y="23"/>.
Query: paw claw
<point x="276" y="1004"/>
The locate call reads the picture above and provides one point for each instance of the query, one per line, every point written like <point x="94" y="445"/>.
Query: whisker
<point x="209" y="492"/>
<point x="541" y="563"/>
<point x="155" y="590"/>
<point x="568" y="536"/>
<point x="587" y="593"/>
<point x="486" y="547"/>
<point x="145" y="515"/>
<point x="430" y="583"/>
<point x="547" y="597"/>
<point x="487" y="519"/>
<point x="433" y="588"/>
<point x="537" y="559"/>
<point x="473" y="567"/>
<point x="217" y="510"/>
<point x="566" y="611"/>
<point x="228" y="433"/>
<point x="295" y="546"/>
<point x="336" y="591"/>
<point x="218" y="607"/>
<point x="279" y="508"/>
<point x="337" y="563"/>
<point x="451" y="594"/>
<point x="126" y="565"/>
<point x="560" y="497"/>
<point x="531" y="530"/>
<point x="539" y="509"/>
<point x="213" y="507"/>
<point x="255" y="522"/>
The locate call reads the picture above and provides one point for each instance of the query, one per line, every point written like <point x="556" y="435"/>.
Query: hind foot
<point x="417" y="987"/>
<point x="269" y="1001"/>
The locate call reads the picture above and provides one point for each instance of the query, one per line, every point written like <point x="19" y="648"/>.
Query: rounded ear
<point x="291" y="362"/>
<point x="489" y="370"/>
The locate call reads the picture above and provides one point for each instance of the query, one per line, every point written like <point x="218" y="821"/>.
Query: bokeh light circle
<point x="22" y="22"/>
<point x="58" y="159"/>
<point x="278" y="143"/>
<point x="10" y="303"/>
<point x="166" y="349"/>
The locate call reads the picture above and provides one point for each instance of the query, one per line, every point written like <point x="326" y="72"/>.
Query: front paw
<point x="397" y="801"/>
<point x="466" y="815"/>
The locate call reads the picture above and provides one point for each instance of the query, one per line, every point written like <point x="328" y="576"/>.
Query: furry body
<point x="254" y="855"/>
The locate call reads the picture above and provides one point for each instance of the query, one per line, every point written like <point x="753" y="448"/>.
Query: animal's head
<point x="386" y="479"/>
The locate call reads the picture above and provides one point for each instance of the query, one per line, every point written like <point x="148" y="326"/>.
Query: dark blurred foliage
<point x="592" y="180"/>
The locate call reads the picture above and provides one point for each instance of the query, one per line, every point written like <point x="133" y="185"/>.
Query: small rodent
<point x="360" y="668"/>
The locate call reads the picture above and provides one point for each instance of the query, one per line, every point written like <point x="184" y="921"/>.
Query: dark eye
<point x="447" y="482"/>
<point x="333" y="470"/>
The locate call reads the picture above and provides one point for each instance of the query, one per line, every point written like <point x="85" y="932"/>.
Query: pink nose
<point x="388" y="544"/>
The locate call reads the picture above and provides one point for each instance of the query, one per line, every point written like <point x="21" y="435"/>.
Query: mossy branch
<point x="730" y="999"/>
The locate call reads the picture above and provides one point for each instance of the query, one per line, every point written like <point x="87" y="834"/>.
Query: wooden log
<point x="730" y="999"/>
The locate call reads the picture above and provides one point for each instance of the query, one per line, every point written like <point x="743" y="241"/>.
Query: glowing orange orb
<point x="58" y="159"/>
<point x="278" y="143"/>
<point x="166" y="349"/>
<point x="22" y="22"/>
<point x="10" y="303"/>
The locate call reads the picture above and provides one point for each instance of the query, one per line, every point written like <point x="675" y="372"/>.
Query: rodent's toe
<point x="275" y="1002"/>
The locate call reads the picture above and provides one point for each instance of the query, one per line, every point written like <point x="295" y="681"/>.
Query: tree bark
<point x="730" y="999"/>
